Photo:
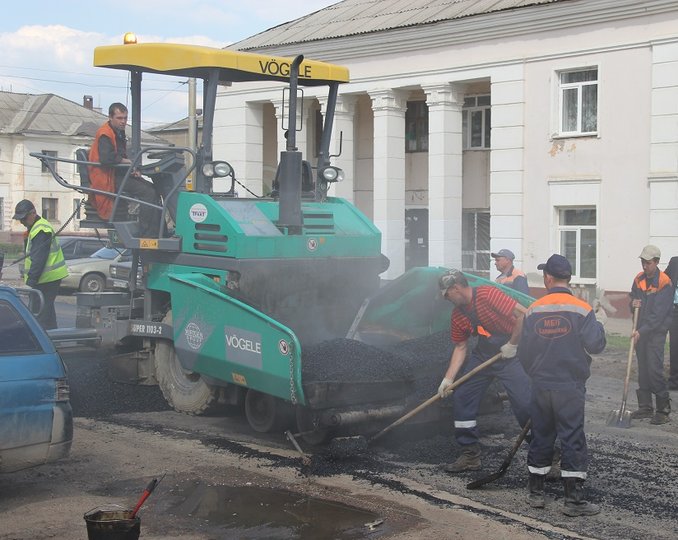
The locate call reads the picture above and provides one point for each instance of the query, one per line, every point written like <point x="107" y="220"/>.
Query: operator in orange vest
<point x="110" y="149"/>
<point x="510" y="275"/>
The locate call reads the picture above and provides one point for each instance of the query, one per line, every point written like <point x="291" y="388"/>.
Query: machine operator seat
<point x="307" y="183"/>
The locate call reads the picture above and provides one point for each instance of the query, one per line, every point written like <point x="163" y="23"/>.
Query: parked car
<point x="90" y="274"/>
<point x="78" y="247"/>
<point x="36" y="419"/>
<point x="119" y="276"/>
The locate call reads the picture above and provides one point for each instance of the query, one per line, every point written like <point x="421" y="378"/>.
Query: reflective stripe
<point x="465" y="424"/>
<point x="573" y="474"/>
<point x="541" y="471"/>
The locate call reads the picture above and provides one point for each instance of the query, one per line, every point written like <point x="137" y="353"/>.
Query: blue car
<point x="36" y="419"/>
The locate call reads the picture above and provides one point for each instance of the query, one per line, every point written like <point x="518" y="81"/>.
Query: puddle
<point x="251" y="512"/>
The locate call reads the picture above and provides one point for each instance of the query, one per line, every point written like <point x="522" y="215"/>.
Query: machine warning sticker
<point x="283" y="347"/>
<point x="194" y="336"/>
<point x="243" y="347"/>
<point x="198" y="213"/>
<point x="239" y="379"/>
<point x="148" y="243"/>
<point x="312" y="244"/>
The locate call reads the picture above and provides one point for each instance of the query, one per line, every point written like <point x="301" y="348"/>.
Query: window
<point x="416" y="127"/>
<point x="577" y="238"/>
<point x="16" y="336"/>
<point x="52" y="153"/>
<point x="49" y="209"/>
<point x="476" y="122"/>
<point x="579" y="102"/>
<point x="475" y="242"/>
<point x="2" y="213"/>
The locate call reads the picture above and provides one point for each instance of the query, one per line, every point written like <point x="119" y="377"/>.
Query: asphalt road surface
<point x="220" y="475"/>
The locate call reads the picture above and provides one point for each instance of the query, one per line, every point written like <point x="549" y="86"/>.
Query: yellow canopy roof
<point x="197" y="61"/>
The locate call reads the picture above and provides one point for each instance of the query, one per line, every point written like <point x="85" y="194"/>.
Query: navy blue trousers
<point x="558" y="413"/>
<point x="467" y="397"/>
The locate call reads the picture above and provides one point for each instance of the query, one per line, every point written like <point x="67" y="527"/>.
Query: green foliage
<point x="11" y="250"/>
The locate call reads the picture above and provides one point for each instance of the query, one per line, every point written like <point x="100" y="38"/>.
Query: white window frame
<point x="470" y="106"/>
<point x="579" y="87"/>
<point x="560" y="228"/>
<point x="476" y="253"/>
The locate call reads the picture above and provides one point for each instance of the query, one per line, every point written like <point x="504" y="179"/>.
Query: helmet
<point x="448" y="279"/>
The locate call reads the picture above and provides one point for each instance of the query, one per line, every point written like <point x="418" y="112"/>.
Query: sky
<point x="48" y="45"/>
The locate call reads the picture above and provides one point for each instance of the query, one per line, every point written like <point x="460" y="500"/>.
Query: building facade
<point x="549" y="127"/>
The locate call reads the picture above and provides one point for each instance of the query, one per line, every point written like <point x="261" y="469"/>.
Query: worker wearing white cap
<point x="652" y="293"/>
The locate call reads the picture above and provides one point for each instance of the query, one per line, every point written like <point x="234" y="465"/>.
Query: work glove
<point x="600" y="314"/>
<point x="508" y="350"/>
<point x="442" y="389"/>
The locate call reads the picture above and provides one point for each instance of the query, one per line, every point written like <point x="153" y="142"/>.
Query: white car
<point x="90" y="274"/>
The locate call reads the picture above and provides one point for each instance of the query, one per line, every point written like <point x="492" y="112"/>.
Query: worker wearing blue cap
<point x="560" y="331"/>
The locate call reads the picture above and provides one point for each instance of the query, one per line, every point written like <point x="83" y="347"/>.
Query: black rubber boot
<point x="645" y="409"/>
<point x="575" y="503"/>
<point x="468" y="461"/>
<point x="536" y="485"/>
<point x="661" y="416"/>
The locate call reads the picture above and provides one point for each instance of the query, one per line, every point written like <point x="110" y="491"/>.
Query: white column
<point x="241" y="138"/>
<point x="506" y="161"/>
<point x="389" y="175"/>
<point x="663" y="177"/>
<point x="343" y="128"/>
<point x="444" y="174"/>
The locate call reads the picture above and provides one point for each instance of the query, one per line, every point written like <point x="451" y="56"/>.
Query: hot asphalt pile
<point x="94" y="395"/>
<point x="420" y="362"/>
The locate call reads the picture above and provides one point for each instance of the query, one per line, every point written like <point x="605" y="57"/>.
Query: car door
<point x="29" y="367"/>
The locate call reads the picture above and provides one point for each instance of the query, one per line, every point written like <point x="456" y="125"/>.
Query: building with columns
<point x="539" y="126"/>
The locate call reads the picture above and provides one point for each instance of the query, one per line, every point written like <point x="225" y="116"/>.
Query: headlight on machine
<point x="332" y="174"/>
<point x="217" y="169"/>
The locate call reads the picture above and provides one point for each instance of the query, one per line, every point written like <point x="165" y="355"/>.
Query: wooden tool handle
<point x="436" y="397"/>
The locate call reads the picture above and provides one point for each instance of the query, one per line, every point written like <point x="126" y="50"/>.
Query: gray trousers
<point x="650" y="353"/>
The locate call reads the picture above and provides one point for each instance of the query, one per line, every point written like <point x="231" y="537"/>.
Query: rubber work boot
<point x="661" y="416"/>
<point x="536" y="485"/>
<point x="575" y="503"/>
<point x="645" y="409"/>
<point x="468" y="461"/>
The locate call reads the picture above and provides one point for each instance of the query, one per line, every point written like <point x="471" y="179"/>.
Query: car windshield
<point x="106" y="253"/>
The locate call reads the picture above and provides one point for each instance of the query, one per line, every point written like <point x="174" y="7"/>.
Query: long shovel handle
<point x="628" y="365"/>
<point x="436" y="397"/>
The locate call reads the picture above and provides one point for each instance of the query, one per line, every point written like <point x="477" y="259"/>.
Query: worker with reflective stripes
<point x="44" y="265"/>
<point x="510" y="275"/>
<point x="496" y="319"/>
<point x="652" y="293"/>
<point x="559" y="333"/>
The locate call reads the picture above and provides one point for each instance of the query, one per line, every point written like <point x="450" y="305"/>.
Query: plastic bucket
<point x="106" y="524"/>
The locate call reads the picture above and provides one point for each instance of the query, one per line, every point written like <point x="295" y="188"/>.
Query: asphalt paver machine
<point x="233" y="287"/>
<point x="272" y="302"/>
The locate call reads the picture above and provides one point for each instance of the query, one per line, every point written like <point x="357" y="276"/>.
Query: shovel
<point x="436" y="397"/>
<point x="622" y="418"/>
<point x="505" y="464"/>
<point x="342" y="446"/>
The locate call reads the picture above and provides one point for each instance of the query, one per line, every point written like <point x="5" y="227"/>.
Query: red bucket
<point x="112" y="524"/>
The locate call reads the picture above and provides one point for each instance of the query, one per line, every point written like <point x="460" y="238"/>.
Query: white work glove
<point x="442" y="389"/>
<point x="508" y="350"/>
<point x="599" y="312"/>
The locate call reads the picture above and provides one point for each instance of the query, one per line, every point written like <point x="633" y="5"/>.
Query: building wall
<point x="628" y="171"/>
<point x="21" y="177"/>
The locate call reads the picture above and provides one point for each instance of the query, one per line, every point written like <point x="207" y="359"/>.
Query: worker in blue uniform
<point x="559" y="333"/>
